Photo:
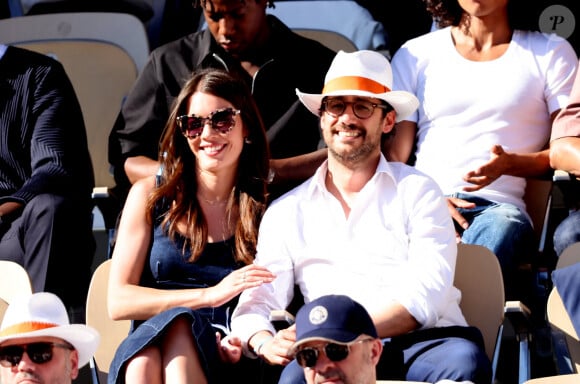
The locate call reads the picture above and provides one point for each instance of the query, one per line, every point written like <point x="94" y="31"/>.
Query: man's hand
<point x="452" y="204"/>
<point x="488" y="172"/>
<point x="275" y="349"/>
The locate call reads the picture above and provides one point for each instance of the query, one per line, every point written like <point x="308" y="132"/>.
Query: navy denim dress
<point x="168" y="268"/>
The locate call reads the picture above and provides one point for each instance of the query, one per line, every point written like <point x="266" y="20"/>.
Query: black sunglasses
<point x="308" y="356"/>
<point x="39" y="353"/>
<point x="362" y="109"/>
<point x="221" y="120"/>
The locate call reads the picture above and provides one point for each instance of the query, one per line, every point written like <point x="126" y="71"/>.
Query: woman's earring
<point x="247" y="141"/>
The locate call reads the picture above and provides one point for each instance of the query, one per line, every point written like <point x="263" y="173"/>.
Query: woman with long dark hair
<point x="187" y="238"/>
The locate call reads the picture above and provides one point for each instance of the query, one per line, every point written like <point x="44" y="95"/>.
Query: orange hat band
<point x="354" y="82"/>
<point x="25" y="328"/>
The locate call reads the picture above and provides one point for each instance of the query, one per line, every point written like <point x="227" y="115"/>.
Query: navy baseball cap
<point x="334" y="318"/>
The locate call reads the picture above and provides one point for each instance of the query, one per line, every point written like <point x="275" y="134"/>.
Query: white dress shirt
<point x="397" y="244"/>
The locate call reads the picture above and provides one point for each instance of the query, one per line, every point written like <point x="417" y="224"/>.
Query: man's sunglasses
<point x="39" y="353"/>
<point x="221" y="120"/>
<point x="308" y="356"/>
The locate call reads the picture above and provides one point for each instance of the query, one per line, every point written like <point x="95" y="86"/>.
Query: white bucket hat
<point x="361" y="73"/>
<point x="44" y="314"/>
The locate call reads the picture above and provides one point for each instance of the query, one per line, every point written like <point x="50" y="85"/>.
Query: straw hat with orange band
<point x="361" y="73"/>
<point x="43" y="314"/>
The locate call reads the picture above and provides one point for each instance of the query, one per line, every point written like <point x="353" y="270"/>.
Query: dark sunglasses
<point x="308" y="356"/>
<point x="362" y="109"/>
<point x="221" y="120"/>
<point x="39" y="353"/>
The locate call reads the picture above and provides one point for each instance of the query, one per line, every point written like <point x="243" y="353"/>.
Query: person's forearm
<point x="298" y="167"/>
<point x="535" y="164"/>
<point x="399" y="146"/>
<point x="10" y="207"/>
<point x="565" y="155"/>
<point x="139" y="167"/>
<point x="394" y="321"/>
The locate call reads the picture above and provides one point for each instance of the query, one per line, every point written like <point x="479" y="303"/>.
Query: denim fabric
<point x="168" y="267"/>
<point x="567" y="232"/>
<point x="203" y="334"/>
<point x="506" y="231"/>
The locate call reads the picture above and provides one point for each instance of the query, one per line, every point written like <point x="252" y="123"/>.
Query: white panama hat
<point x="361" y="73"/>
<point x="43" y="314"/>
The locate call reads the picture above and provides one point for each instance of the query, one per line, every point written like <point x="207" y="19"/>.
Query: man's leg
<point x="27" y="240"/>
<point x="452" y="358"/>
<point x="53" y="240"/>
<point x="72" y="250"/>
<point x="567" y="232"/>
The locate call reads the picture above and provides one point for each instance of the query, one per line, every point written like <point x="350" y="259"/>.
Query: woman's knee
<point x="146" y="363"/>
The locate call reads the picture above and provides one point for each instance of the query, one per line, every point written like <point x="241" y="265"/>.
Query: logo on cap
<point x="318" y="315"/>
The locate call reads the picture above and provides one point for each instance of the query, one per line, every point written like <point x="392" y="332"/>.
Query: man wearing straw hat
<point x="38" y="344"/>
<point x="375" y="231"/>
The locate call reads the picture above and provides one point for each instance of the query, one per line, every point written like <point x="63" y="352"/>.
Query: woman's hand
<point x="230" y="348"/>
<point x="236" y="282"/>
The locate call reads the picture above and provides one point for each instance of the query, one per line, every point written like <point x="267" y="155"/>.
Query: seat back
<point x="560" y="320"/>
<point x="333" y="40"/>
<point x="97" y="316"/>
<point x="570" y="255"/>
<point x="558" y="316"/>
<point x="101" y="52"/>
<point x="482" y="298"/>
<point x="14" y="280"/>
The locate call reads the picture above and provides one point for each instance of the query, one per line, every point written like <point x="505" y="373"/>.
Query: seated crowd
<point x="258" y="170"/>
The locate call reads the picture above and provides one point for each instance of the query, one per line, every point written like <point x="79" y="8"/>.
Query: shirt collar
<point x="319" y="179"/>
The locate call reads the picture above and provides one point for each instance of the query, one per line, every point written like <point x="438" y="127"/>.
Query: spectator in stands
<point x="270" y="58"/>
<point x="487" y="101"/>
<point x="565" y="155"/>
<point x="38" y="344"/>
<point x="336" y="340"/>
<point x="375" y="231"/>
<point x="187" y="239"/>
<point x="46" y="177"/>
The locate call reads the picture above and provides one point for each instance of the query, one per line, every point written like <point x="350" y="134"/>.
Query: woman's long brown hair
<point x="179" y="184"/>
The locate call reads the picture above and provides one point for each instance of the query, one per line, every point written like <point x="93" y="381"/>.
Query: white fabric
<point x="466" y="107"/>
<point x="398" y="244"/>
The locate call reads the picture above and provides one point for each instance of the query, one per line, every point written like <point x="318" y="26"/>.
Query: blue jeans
<point x="507" y="232"/>
<point x="567" y="232"/>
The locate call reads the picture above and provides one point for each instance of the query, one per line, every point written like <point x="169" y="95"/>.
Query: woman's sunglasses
<point x="221" y="120"/>
<point x="39" y="353"/>
<point x="308" y="356"/>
